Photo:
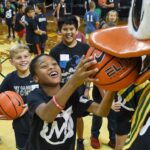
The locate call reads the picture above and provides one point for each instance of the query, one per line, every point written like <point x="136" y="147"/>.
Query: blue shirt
<point x="90" y="18"/>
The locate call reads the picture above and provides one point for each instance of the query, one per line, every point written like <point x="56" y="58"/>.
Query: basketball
<point x="114" y="73"/>
<point x="11" y="104"/>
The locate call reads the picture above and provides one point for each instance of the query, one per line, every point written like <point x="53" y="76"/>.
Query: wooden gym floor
<point x="6" y="132"/>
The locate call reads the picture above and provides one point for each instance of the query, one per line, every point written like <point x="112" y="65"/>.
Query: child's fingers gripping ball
<point x="11" y="104"/>
<point x="114" y="73"/>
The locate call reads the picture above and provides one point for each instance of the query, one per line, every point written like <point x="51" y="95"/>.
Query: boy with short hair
<point x="21" y="82"/>
<point x="42" y="24"/>
<point x="32" y="31"/>
<point x="20" y="23"/>
<point x="91" y="20"/>
<point x="68" y="54"/>
<point x="9" y="14"/>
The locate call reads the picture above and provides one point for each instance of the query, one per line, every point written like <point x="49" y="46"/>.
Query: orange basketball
<point x="114" y="73"/>
<point x="11" y="104"/>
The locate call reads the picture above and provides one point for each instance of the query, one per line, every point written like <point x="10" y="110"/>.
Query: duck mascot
<point x="132" y="41"/>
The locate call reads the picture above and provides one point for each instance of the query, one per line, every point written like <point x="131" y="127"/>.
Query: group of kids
<point x="25" y="23"/>
<point x="55" y="88"/>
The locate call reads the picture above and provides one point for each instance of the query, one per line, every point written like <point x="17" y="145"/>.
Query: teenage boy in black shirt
<point x="68" y="54"/>
<point x="32" y="31"/>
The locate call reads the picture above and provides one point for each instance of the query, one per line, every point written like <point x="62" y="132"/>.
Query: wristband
<point x="57" y="104"/>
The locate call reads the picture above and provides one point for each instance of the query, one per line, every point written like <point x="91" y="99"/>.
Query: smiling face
<point x="31" y="14"/>
<point x="21" y="61"/>
<point x="69" y="34"/>
<point x="112" y="17"/>
<point x="47" y="71"/>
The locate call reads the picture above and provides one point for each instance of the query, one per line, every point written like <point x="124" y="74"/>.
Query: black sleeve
<point x="83" y="105"/>
<point x="54" y="54"/>
<point x="34" y="25"/>
<point x="6" y="84"/>
<point x="34" y="99"/>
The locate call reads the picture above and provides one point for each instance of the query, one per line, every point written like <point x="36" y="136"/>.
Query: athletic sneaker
<point x="80" y="144"/>
<point x="95" y="143"/>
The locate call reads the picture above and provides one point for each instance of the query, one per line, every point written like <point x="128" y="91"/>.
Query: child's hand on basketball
<point x="25" y="109"/>
<point x="83" y="73"/>
<point x="116" y="106"/>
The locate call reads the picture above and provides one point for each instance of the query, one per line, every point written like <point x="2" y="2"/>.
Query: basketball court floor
<point x="6" y="132"/>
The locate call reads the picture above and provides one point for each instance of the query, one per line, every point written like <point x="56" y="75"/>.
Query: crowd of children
<point x="56" y="85"/>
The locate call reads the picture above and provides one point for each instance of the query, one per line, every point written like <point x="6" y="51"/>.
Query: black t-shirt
<point x="18" y="26"/>
<point x="31" y="26"/>
<point x="106" y="10"/>
<point x="68" y="59"/>
<point x="22" y="86"/>
<point x="42" y="24"/>
<point x="62" y="9"/>
<point x="61" y="133"/>
<point x="9" y="13"/>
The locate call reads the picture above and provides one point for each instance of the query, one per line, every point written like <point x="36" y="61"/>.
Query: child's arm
<point x="49" y="111"/>
<point x="103" y="108"/>
<point x="112" y="5"/>
<point x="58" y="10"/>
<point x="116" y="106"/>
<point x="65" y="12"/>
<point x="39" y="32"/>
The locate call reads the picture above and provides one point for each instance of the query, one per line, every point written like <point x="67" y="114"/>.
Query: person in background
<point x="55" y="4"/>
<point x="61" y="9"/>
<point x="97" y="8"/>
<point x="107" y="6"/>
<point x="20" y="81"/>
<point x="80" y="36"/>
<point x="91" y="20"/>
<point x="20" y="23"/>
<point x="112" y="19"/>
<point x="9" y="14"/>
<point x="2" y="16"/>
<point x="32" y="31"/>
<point x="86" y="5"/>
<point x="42" y="25"/>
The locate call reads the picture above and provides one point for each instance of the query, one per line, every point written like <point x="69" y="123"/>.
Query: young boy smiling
<point x="68" y="54"/>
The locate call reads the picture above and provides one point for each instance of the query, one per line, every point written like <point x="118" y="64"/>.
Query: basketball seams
<point x="136" y="65"/>
<point x="3" y="111"/>
<point x="113" y="73"/>
<point x="12" y="104"/>
<point x="102" y="59"/>
<point x="104" y="65"/>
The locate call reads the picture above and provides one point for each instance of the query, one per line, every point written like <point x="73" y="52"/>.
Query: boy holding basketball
<point x="21" y="82"/>
<point x="68" y="54"/>
<point x="54" y="109"/>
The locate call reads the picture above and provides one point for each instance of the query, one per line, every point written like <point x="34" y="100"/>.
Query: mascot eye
<point x="136" y="14"/>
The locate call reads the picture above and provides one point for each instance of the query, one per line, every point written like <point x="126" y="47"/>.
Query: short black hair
<point x="33" y="63"/>
<point x="68" y="20"/>
<point x="20" y="6"/>
<point x="28" y="9"/>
